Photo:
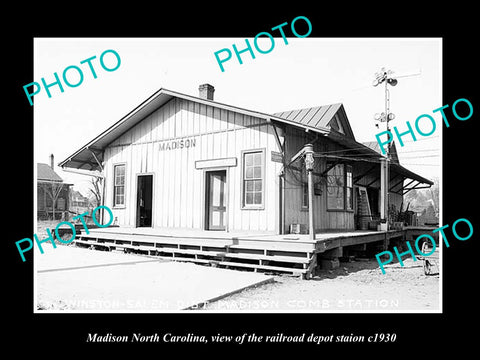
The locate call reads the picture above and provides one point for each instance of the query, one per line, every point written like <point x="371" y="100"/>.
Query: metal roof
<point x="315" y="116"/>
<point x="315" y="119"/>
<point x="374" y="145"/>
<point x="320" y="117"/>
<point x="83" y="159"/>
<point x="395" y="163"/>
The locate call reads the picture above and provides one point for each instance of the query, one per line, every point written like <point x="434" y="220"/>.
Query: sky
<point x="307" y="72"/>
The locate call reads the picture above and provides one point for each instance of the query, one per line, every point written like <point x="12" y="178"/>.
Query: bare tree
<point x="435" y="194"/>
<point x="96" y="191"/>
<point x="53" y="190"/>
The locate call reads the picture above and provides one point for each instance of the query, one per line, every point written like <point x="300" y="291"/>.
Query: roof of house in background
<point x="77" y="195"/>
<point x="46" y="173"/>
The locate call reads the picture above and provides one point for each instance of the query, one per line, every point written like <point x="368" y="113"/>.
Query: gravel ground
<point x="357" y="286"/>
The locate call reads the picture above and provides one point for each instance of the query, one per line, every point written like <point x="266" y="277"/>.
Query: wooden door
<point x="216" y="209"/>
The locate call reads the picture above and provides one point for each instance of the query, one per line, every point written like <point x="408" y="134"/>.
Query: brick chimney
<point x="51" y="161"/>
<point x="205" y="91"/>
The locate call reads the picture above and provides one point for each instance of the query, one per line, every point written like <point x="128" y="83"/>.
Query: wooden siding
<point x="371" y="180"/>
<point x="294" y="213"/>
<point x="178" y="188"/>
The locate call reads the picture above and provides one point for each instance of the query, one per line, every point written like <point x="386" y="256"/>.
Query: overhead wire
<point x="422" y="164"/>
<point x="419" y="157"/>
<point x="355" y="154"/>
<point x="351" y="154"/>
<point x="415" y="151"/>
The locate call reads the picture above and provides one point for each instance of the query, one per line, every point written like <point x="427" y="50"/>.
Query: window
<point x="304" y="188"/>
<point x="253" y="175"/>
<point x="60" y="204"/>
<point x="305" y="195"/>
<point x="119" y="185"/>
<point x="349" y="188"/>
<point x="340" y="188"/>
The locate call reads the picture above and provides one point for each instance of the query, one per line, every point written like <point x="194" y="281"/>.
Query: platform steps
<point x="258" y="257"/>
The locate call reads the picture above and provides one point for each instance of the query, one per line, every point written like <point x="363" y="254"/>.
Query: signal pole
<point x="380" y="77"/>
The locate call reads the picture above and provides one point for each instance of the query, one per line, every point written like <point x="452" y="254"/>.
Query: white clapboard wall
<point x="178" y="184"/>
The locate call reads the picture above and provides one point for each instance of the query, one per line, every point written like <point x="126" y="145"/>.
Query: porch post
<point x="309" y="161"/>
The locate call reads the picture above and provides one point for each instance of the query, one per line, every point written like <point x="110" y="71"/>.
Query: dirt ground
<point x="357" y="286"/>
<point x="72" y="278"/>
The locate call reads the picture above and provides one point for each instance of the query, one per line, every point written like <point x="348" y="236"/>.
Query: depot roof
<point x="328" y="120"/>
<point x="82" y="158"/>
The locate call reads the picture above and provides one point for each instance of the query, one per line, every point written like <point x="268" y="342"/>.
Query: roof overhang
<point x="83" y="158"/>
<point x="410" y="174"/>
<point x="364" y="153"/>
<point x="89" y="156"/>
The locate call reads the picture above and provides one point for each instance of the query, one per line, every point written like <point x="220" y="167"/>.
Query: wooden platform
<point x="295" y="254"/>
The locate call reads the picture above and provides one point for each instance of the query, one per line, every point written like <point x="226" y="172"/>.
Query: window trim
<point x="244" y="206"/>
<point x="124" y="205"/>
<point x="345" y="188"/>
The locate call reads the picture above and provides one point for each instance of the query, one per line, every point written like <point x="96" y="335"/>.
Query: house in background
<point x="79" y="204"/>
<point x="52" y="193"/>
<point x="428" y="216"/>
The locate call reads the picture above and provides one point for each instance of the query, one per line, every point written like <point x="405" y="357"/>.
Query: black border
<point x="49" y="333"/>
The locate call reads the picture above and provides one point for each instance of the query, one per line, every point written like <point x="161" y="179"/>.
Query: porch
<point x="294" y="254"/>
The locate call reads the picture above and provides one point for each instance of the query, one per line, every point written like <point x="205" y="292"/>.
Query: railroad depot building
<point x="185" y="162"/>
